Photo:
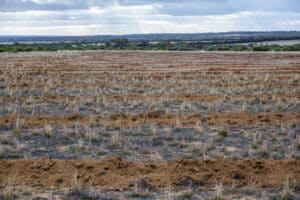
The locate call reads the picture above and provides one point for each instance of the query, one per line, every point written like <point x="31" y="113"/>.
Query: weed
<point x="187" y="195"/>
<point x="75" y="192"/>
<point x="218" y="192"/>
<point x="219" y="139"/>
<point x="196" y="151"/>
<point x="153" y="129"/>
<point x="78" y="148"/>
<point x="115" y="140"/>
<point x="156" y="141"/>
<point x="48" y="131"/>
<point x="210" y="147"/>
<point x="198" y="127"/>
<point x="101" y="153"/>
<point x="254" y="146"/>
<point x="8" y="141"/>
<point x="124" y="153"/>
<point x="2" y="152"/>
<point x="223" y="133"/>
<point x="139" y="196"/>
<point x="286" y="191"/>
<point x="178" y="123"/>
<point x="17" y="133"/>
<point x="9" y="187"/>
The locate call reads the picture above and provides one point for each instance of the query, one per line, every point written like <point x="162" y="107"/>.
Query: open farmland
<point x="151" y="125"/>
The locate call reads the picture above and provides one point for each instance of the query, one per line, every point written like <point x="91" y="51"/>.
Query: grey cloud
<point x="221" y="7"/>
<point x="141" y="16"/>
<point x="19" y="5"/>
<point x="171" y="7"/>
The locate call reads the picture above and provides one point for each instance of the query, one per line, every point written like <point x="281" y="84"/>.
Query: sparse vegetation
<point x="179" y="119"/>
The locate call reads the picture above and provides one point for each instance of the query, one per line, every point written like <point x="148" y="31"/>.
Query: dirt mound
<point x="118" y="173"/>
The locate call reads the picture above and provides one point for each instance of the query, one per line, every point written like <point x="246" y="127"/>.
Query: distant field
<point x="279" y="42"/>
<point x="149" y="125"/>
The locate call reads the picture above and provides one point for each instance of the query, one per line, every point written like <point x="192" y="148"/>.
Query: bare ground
<point x="119" y="173"/>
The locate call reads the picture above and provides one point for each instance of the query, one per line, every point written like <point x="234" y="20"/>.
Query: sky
<point x="116" y="17"/>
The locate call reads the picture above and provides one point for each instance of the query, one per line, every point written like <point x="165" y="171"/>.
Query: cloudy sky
<point x="99" y="17"/>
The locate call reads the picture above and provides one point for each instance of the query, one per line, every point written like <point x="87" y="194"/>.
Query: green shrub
<point x="261" y="48"/>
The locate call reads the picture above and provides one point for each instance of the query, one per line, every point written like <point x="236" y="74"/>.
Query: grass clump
<point x="187" y="195"/>
<point x="78" y="148"/>
<point x="101" y="153"/>
<point x="137" y="195"/>
<point x="223" y="133"/>
<point x="196" y="151"/>
<point x="17" y="133"/>
<point x="48" y="131"/>
<point x="2" y="152"/>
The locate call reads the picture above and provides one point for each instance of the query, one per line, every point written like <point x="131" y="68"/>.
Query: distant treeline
<point x="216" y="38"/>
<point x="165" y="45"/>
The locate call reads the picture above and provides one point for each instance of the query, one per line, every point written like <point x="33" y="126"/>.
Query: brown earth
<point x="118" y="173"/>
<point x="155" y="117"/>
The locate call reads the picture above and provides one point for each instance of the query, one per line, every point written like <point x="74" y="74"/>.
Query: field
<point x="149" y="125"/>
<point x="279" y="42"/>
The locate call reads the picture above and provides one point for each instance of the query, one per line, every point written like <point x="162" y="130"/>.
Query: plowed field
<point x="149" y="125"/>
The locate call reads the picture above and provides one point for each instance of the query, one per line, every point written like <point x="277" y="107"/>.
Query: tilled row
<point x="154" y="118"/>
<point x="119" y="173"/>
<point x="156" y="86"/>
<point x="151" y="98"/>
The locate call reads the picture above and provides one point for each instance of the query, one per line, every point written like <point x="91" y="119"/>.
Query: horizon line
<point x="212" y="32"/>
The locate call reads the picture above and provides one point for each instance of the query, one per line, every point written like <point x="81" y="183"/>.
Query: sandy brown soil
<point x="156" y="117"/>
<point x="118" y="173"/>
